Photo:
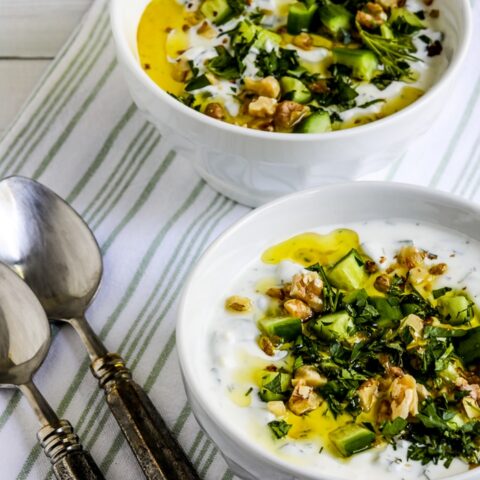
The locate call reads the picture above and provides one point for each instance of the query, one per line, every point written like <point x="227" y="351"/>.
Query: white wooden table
<point x="31" y="33"/>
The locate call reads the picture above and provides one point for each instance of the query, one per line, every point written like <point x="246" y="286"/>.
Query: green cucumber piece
<point x="335" y="18"/>
<point x="287" y="328"/>
<point x="248" y="32"/>
<point x="352" y="439"/>
<point x="334" y="326"/>
<point x="217" y="11"/>
<point x="295" y="90"/>
<point x="405" y="22"/>
<point x="349" y="272"/>
<point x="317" y="122"/>
<point x="363" y="63"/>
<point x="300" y="17"/>
<point x="456" y="309"/>
<point x="468" y="348"/>
<point x="274" y="386"/>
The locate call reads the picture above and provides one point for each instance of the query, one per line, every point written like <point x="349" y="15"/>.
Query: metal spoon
<point x="49" y="245"/>
<point x="24" y="343"/>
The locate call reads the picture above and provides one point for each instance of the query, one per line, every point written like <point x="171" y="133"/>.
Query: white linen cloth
<point x="81" y="135"/>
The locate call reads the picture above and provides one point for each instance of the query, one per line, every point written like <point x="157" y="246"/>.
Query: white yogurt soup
<point x="239" y="360"/>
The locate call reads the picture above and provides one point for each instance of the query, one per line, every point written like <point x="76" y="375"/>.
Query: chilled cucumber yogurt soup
<point x="305" y="66"/>
<point x="393" y="300"/>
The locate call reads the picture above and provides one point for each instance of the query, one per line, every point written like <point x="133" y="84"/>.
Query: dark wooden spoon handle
<point x="157" y="451"/>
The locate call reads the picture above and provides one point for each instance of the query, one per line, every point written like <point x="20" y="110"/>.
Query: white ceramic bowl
<point x="252" y="166"/>
<point x="244" y="242"/>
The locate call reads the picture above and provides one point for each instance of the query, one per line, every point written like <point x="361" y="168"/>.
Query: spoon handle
<point x="158" y="453"/>
<point x="69" y="460"/>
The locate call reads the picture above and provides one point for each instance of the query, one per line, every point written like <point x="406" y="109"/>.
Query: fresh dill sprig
<point x="393" y="53"/>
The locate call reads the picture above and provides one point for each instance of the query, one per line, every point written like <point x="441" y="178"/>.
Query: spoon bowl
<point x="23" y="346"/>
<point x="24" y="343"/>
<point x="49" y="245"/>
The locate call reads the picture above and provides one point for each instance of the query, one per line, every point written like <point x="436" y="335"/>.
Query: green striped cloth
<point x="80" y="134"/>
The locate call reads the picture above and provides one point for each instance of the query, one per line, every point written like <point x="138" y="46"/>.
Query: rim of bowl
<point x="124" y="50"/>
<point x="187" y="368"/>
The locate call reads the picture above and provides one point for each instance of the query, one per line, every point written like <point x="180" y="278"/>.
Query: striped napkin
<point x="81" y="135"/>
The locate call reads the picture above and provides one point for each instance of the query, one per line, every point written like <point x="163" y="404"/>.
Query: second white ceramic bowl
<point x="252" y="166"/>
<point x="245" y="242"/>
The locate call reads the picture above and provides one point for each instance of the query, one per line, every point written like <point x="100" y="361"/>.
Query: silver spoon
<point x="24" y="343"/>
<point x="49" y="245"/>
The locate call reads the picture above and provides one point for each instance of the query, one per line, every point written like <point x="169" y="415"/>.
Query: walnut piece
<point x="206" y="31"/>
<point x="387" y="4"/>
<point x="382" y="283"/>
<point x="310" y="376"/>
<point x="303" y="41"/>
<point x="410" y="257"/>
<point x="180" y="70"/>
<point x="238" y="304"/>
<point x="368" y="394"/>
<point x="296" y="308"/>
<point x="308" y="287"/>
<point x="266" y="87"/>
<point x="404" y="397"/>
<point x="303" y="399"/>
<point x="438" y="269"/>
<point x="262" y="107"/>
<point x="289" y="113"/>
<point x="371" y="16"/>
<point x="215" y="110"/>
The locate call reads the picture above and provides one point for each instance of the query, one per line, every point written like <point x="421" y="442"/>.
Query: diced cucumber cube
<point x="363" y="63"/>
<point x="317" y="122"/>
<point x="349" y="272"/>
<point x="352" y="439"/>
<point x="287" y="328"/>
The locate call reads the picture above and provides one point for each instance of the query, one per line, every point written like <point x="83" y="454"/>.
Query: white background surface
<point x="31" y="33"/>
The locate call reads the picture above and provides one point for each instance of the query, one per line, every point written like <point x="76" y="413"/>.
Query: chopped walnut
<point x="404" y="397"/>
<point x="276" y="292"/>
<point x="289" y="113"/>
<point x="422" y="392"/>
<point x="215" y="110"/>
<point x="303" y="399"/>
<point x="382" y="283"/>
<point x="266" y="345"/>
<point x="410" y="257"/>
<point x="417" y="275"/>
<point x="180" y="70"/>
<point x="265" y="124"/>
<point x="438" y="269"/>
<point x="371" y="266"/>
<point x="277" y="407"/>
<point x="371" y="16"/>
<point x="319" y="86"/>
<point x="309" y="376"/>
<point x="303" y="41"/>
<point x="206" y="30"/>
<point x="472" y="389"/>
<point x="368" y="394"/>
<point x="296" y="308"/>
<point x="238" y="304"/>
<point x="387" y="4"/>
<point x="262" y="107"/>
<point x="308" y="287"/>
<point x="266" y="87"/>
